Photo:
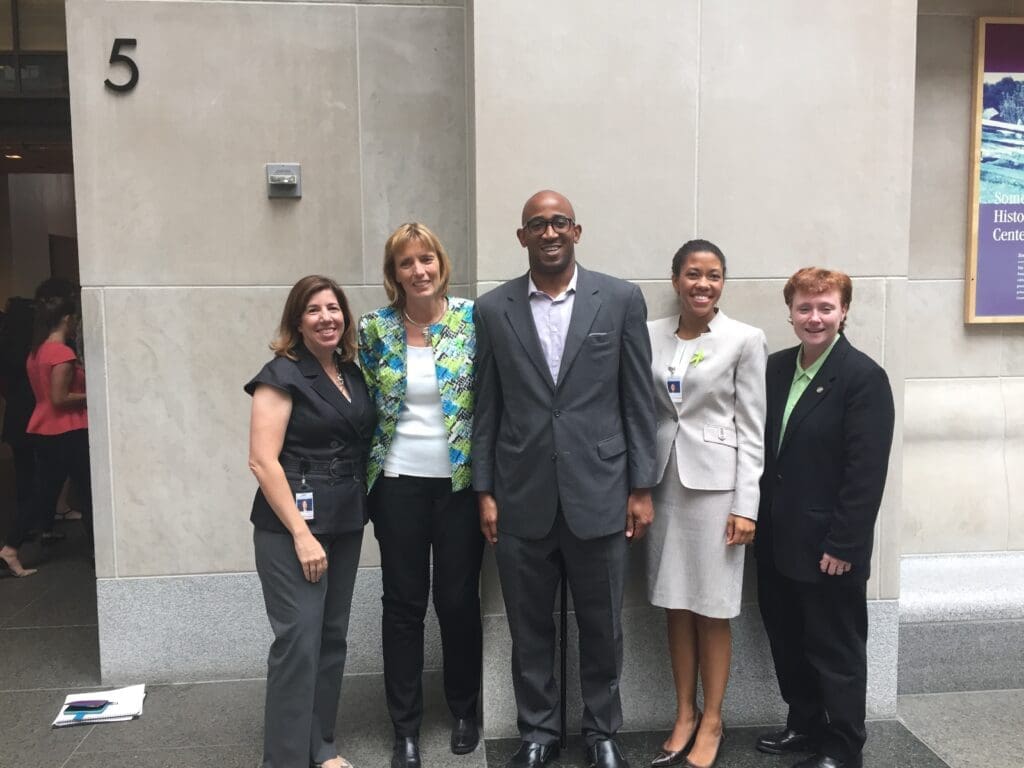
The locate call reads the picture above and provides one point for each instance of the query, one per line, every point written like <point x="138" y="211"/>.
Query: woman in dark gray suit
<point x="312" y="420"/>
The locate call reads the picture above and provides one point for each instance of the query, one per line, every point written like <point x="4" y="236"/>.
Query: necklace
<point x="340" y="379"/>
<point x="425" y="327"/>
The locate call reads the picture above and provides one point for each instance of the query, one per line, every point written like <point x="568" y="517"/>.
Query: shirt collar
<point x="533" y="290"/>
<point x="812" y="370"/>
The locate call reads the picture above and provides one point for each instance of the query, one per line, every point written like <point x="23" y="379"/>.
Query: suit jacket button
<point x="778" y="477"/>
<point x="557" y="413"/>
<point x="554" y="457"/>
<point x="334" y="443"/>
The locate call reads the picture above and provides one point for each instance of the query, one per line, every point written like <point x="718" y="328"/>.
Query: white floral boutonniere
<point x="698" y="356"/>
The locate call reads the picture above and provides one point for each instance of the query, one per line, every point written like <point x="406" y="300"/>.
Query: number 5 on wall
<point x="116" y="57"/>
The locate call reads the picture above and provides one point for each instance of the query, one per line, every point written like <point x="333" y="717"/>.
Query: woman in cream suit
<point x="710" y="400"/>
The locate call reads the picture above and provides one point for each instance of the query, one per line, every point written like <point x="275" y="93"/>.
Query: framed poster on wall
<point x="995" y="251"/>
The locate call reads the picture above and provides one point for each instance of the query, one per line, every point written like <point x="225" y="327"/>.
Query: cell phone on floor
<point x="88" y="705"/>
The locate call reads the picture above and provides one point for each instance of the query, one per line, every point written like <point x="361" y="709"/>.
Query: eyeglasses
<point x="538" y="226"/>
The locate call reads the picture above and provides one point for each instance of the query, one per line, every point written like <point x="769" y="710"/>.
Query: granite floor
<point x="49" y="648"/>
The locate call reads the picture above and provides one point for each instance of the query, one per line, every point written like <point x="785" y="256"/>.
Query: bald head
<point x="549" y="234"/>
<point x="547" y="198"/>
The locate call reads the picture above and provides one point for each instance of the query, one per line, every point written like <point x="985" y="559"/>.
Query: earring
<point x="789" y="320"/>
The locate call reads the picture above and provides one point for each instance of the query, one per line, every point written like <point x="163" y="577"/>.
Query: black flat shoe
<point x="667" y="757"/>
<point x="786" y="741"/>
<point x="406" y="752"/>
<point x="605" y="754"/>
<point x="465" y="736"/>
<point x="533" y="755"/>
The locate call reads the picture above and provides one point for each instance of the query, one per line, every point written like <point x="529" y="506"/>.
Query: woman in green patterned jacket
<point x="417" y="358"/>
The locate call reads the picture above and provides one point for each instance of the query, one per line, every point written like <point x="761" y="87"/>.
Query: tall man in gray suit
<point x="563" y="459"/>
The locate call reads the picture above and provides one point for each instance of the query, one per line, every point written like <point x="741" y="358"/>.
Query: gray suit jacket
<point x="584" y="442"/>
<point x="718" y="429"/>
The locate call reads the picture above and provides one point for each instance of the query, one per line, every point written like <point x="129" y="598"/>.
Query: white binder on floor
<point x="101" y="706"/>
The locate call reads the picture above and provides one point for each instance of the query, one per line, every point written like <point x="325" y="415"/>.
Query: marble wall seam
<point x="360" y="144"/>
<point x="696" y="121"/>
<point x="962" y="379"/>
<point x="1007" y="459"/>
<point x="110" y="443"/>
<point x="470" y="111"/>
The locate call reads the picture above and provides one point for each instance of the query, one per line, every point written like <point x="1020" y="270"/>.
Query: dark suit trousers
<point x="412" y="516"/>
<point x="818" y="635"/>
<point x="57" y="458"/>
<point x="595" y="569"/>
<point x="24" y="489"/>
<point x="307" y="657"/>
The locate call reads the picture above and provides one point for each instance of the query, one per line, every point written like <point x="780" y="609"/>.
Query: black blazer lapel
<point x="324" y="387"/>
<point x="779" y="378"/>
<point x="520" y="318"/>
<point x="818" y="389"/>
<point x="584" y="310"/>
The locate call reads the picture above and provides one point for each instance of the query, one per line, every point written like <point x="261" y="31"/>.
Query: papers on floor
<point x="101" y="706"/>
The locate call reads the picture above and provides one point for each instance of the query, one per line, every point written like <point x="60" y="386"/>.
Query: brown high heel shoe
<point x="718" y="751"/>
<point x="666" y="757"/>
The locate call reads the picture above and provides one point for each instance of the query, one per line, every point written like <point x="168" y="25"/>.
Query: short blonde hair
<point x="396" y="243"/>
<point x="288" y="337"/>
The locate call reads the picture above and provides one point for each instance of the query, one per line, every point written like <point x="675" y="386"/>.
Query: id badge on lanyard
<point x="675" y="388"/>
<point x="304" y="500"/>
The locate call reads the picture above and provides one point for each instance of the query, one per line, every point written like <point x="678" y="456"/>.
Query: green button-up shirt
<point x="801" y="378"/>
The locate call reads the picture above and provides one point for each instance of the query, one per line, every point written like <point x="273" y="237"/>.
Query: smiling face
<point x="699" y="285"/>
<point x="418" y="271"/>
<point x="323" y="322"/>
<point x="816" y="318"/>
<point x="550" y="252"/>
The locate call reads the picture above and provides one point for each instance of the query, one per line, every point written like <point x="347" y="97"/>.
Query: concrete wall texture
<point x="661" y="121"/>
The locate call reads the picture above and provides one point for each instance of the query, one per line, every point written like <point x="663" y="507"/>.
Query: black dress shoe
<point x="406" y="752"/>
<point x="824" y="761"/>
<point x="533" y="755"/>
<point x="785" y="741"/>
<point x="465" y="735"/>
<point x="605" y="754"/>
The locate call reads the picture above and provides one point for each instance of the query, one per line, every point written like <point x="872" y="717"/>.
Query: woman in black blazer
<point x="827" y="440"/>
<point x="312" y="421"/>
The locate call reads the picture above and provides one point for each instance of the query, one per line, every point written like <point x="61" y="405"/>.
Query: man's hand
<point x="639" y="513"/>
<point x="833" y="566"/>
<point x="488" y="516"/>
<point x="739" y="530"/>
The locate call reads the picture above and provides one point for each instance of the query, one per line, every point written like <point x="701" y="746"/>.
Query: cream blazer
<point x="718" y="429"/>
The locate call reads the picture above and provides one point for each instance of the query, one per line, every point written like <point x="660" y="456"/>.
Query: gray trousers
<point x="529" y="572"/>
<point x="307" y="657"/>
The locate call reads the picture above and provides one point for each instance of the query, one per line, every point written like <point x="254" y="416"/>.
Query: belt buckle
<point x="334" y="468"/>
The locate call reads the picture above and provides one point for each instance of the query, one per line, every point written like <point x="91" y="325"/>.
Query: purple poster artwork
<point x="998" y="258"/>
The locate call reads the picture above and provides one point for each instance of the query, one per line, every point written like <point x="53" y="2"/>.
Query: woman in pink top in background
<point x="59" y="424"/>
